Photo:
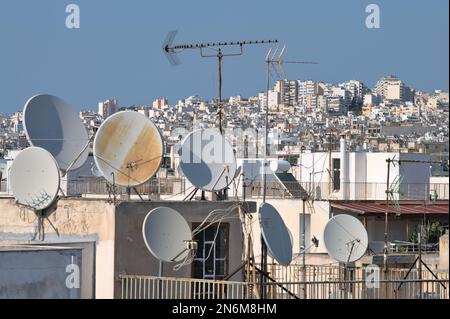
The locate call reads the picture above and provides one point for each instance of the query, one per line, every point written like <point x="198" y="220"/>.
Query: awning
<point x="403" y="208"/>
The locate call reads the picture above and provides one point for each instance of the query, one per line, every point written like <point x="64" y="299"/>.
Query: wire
<point x="182" y="192"/>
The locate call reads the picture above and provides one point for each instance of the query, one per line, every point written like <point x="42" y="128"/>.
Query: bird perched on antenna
<point x="170" y="50"/>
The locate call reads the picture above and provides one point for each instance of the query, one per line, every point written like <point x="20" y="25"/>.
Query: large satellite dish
<point x="207" y="160"/>
<point x="345" y="238"/>
<point x="275" y="234"/>
<point x="129" y="146"/>
<point x="53" y="124"/>
<point x="165" y="234"/>
<point x="34" y="178"/>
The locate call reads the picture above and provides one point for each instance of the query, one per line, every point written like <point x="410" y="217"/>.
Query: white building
<point x="108" y="108"/>
<point x="363" y="175"/>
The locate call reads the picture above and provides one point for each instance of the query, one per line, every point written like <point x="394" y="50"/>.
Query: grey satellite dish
<point x="165" y="234"/>
<point x="53" y="124"/>
<point x="129" y="146"/>
<point x="34" y="178"/>
<point x="207" y="160"/>
<point x="345" y="238"/>
<point x="275" y="234"/>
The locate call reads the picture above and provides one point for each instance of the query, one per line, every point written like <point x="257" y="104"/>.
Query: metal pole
<point x="220" y="57"/>
<point x="385" y="253"/>
<point x="303" y="248"/>
<point x="263" y="244"/>
<point x="420" y="263"/>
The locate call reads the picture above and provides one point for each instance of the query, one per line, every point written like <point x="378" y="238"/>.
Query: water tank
<point x="280" y="166"/>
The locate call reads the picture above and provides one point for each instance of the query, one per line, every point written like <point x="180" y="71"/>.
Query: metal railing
<point x="356" y="191"/>
<point x="146" y="287"/>
<point x="101" y="187"/>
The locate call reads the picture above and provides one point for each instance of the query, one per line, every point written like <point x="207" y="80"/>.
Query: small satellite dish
<point x="276" y="235"/>
<point x="207" y="160"/>
<point x="34" y="178"/>
<point x="345" y="238"/>
<point x="53" y="124"/>
<point x="166" y="233"/>
<point x="128" y="145"/>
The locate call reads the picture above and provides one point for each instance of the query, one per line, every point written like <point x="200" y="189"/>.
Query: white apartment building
<point x="108" y="108"/>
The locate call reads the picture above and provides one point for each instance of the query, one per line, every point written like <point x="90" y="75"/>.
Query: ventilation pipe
<point x="344" y="176"/>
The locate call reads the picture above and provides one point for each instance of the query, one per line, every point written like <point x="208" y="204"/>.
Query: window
<point x="211" y="260"/>
<point x="336" y="174"/>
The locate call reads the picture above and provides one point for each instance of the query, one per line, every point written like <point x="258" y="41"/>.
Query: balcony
<point x="356" y="191"/>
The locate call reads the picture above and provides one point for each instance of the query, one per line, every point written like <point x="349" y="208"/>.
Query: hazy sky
<point x="117" y="51"/>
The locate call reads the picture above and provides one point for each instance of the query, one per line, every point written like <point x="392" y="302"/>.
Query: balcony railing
<point x="99" y="186"/>
<point x="328" y="285"/>
<point x="356" y="191"/>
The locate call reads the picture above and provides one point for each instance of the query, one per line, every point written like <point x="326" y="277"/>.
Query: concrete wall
<point x="37" y="273"/>
<point x="110" y="237"/>
<point x="416" y="176"/>
<point x="443" y="252"/>
<point x="77" y="221"/>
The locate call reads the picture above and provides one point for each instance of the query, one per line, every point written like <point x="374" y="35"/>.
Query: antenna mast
<point x="171" y="52"/>
<point x="274" y="61"/>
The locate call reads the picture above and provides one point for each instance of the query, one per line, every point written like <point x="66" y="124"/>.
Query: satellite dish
<point x="345" y="238"/>
<point x="275" y="234"/>
<point x="207" y="160"/>
<point x="53" y="124"/>
<point x="128" y="145"/>
<point x="34" y="178"/>
<point x="165" y="234"/>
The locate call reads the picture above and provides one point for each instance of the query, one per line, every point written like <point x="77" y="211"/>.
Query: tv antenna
<point x="171" y="52"/>
<point x="272" y="61"/>
<point x="276" y="62"/>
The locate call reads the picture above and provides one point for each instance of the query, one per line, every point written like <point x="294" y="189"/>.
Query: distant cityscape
<point x="304" y="114"/>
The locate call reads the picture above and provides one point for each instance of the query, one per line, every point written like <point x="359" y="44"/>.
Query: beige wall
<point x="116" y="232"/>
<point x="76" y="221"/>
<point x="443" y="252"/>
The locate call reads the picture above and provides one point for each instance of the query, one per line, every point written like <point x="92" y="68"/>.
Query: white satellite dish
<point x="34" y="178"/>
<point x="345" y="238"/>
<point x="275" y="234"/>
<point x="129" y="146"/>
<point x="53" y="124"/>
<point x="207" y="160"/>
<point x="166" y="233"/>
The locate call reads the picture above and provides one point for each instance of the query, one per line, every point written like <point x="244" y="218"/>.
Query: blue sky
<point x="117" y="51"/>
